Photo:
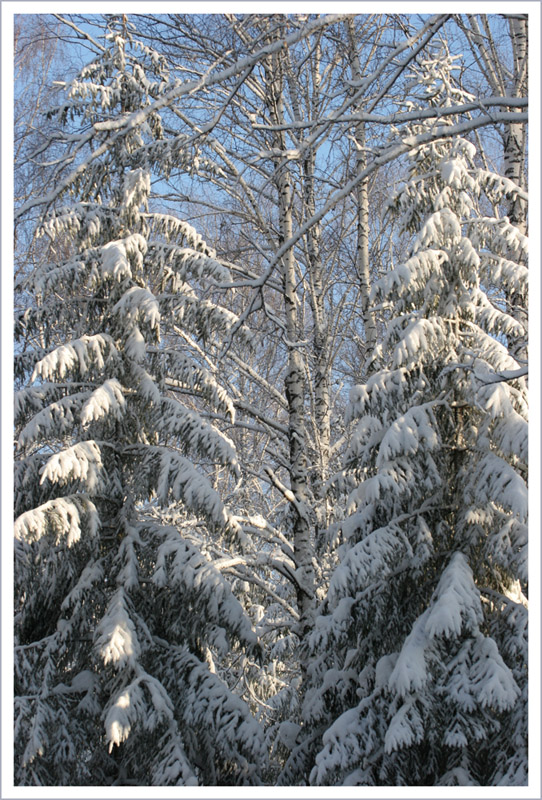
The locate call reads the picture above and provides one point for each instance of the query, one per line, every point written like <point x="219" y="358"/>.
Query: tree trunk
<point x="362" y="199"/>
<point x="295" y="378"/>
<point x="321" y="332"/>
<point x="515" y="140"/>
<point x="515" y="132"/>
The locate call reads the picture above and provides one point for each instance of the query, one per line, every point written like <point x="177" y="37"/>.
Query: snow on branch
<point x="173" y="419"/>
<point x="116" y="637"/>
<point x="77" y="357"/>
<point x="138" y="303"/>
<point x="81" y="463"/>
<point x="106" y="401"/>
<point x="175" y="478"/>
<point x="56" y="419"/>
<point x="64" y="516"/>
<point x="496" y="481"/>
<point x="182" y="567"/>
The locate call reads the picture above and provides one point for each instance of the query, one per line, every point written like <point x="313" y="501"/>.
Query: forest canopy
<point x="271" y="399"/>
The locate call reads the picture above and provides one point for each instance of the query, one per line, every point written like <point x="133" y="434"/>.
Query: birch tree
<point x="507" y="76"/>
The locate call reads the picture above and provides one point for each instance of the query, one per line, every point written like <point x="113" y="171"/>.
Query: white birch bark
<point x="321" y="334"/>
<point x="362" y="200"/>
<point x="515" y="143"/>
<point x="294" y="381"/>
<point x="515" y="137"/>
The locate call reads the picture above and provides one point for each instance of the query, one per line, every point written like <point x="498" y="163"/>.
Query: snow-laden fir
<point x="118" y="615"/>
<point x="419" y="656"/>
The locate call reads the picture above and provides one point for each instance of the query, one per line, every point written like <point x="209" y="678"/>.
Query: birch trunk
<point x="321" y="333"/>
<point x="515" y="141"/>
<point x="295" y="380"/>
<point x="320" y="343"/>
<point x="485" y="51"/>
<point x="515" y="132"/>
<point x="362" y="199"/>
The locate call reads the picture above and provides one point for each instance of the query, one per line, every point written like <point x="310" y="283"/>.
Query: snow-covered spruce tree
<point x="419" y="654"/>
<point x="120" y="610"/>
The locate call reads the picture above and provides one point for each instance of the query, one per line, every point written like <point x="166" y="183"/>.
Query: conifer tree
<point x="121" y="613"/>
<point x="179" y="619"/>
<point x="418" y="670"/>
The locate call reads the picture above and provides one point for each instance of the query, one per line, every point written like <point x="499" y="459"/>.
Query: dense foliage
<point x="271" y="431"/>
<point x="421" y="647"/>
